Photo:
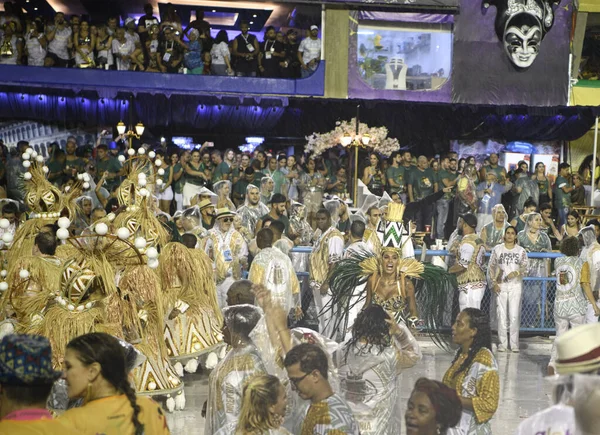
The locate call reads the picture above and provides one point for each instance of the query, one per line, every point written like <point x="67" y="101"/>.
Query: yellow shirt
<point x="112" y="416"/>
<point x="36" y="427"/>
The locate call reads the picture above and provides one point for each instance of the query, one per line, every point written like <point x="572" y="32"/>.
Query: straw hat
<point x="224" y="212"/>
<point x="578" y="350"/>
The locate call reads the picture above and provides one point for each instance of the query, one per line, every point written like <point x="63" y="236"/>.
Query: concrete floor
<point x="523" y="389"/>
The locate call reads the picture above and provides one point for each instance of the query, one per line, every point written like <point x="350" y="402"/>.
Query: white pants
<point x="562" y="325"/>
<point x="189" y="192"/>
<point x="470" y="295"/>
<point x="325" y="319"/>
<point x="167" y="195"/>
<point x="508" y="310"/>
<point x="179" y="201"/>
<point x="590" y="316"/>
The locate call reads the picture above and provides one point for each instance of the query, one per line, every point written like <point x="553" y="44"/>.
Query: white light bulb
<point x="131" y="151"/>
<point x="151" y="154"/>
<point x="159" y="182"/>
<point x="158" y="162"/>
<point x="161" y="172"/>
<point x="121" y="158"/>
<point x="141" y="151"/>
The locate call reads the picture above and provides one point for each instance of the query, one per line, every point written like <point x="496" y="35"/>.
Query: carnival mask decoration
<point x="521" y="25"/>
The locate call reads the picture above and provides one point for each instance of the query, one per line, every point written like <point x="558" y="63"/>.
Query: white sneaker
<point x="501" y="348"/>
<point x="516" y="350"/>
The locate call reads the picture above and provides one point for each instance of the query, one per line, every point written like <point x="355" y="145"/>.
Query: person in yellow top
<point x="96" y="371"/>
<point x="26" y="379"/>
<point x="474" y="373"/>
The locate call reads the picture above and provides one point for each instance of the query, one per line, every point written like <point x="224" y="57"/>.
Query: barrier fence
<point x="537" y="298"/>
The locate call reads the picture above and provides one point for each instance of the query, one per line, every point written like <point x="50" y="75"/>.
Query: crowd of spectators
<point x="154" y="45"/>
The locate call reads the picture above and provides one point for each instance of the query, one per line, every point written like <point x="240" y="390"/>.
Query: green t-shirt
<point x="77" y="163"/>
<point x="112" y="166"/>
<point x="193" y="179"/>
<point x="422" y="183"/>
<point x="55" y="172"/>
<point x="399" y="177"/>
<point x="167" y="174"/>
<point x="498" y="170"/>
<point x="450" y="176"/>
<point x="178" y="185"/>
<point x="339" y="189"/>
<point x="239" y="189"/>
<point x="221" y="170"/>
<point x="562" y="199"/>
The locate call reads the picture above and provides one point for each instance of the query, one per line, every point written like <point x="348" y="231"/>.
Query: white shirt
<point x="135" y="38"/>
<point x="219" y="52"/>
<point x="58" y="45"/>
<point x="124" y="50"/>
<point x="310" y="49"/>
<point x="505" y="261"/>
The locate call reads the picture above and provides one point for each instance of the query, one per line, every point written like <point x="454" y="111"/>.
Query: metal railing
<point x="537" y="299"/>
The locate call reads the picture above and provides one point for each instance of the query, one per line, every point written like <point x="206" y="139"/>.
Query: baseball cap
<point x="470" y="219"/>
<point x="313" y="27"/>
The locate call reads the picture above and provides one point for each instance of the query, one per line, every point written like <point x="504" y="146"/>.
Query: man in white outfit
<point x="507" y="266"/>
<point x="591" y="254"/>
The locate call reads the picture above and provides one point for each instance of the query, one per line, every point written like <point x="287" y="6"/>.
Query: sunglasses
<point x="296" y="381"/>
<point x="228" y="219"/>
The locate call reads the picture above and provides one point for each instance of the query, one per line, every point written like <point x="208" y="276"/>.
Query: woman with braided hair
<point x="96" y="371"/>
<point x="264" y="402"/>
<point x="432" y="409"/>
<point x="474" y="373"/>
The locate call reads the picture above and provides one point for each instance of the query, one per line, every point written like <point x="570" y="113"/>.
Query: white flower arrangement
<point x="318" y="143"/>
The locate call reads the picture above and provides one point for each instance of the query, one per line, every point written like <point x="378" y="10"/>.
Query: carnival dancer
<point x="226" y="381"/>
<point x="369" y="366"/>
<point x="492" y="233"/>
<point x="388" y="278"/>
<point x="253" y="209"/>
<point x="590" y="253"/>
<point x="227" y="250"/>
<point x="572" y="291"/>
<point x="274" y="270"/>
<point x="469" y="264"/>
<point x="327" y="251"/>
<point x="507" y="266"/>
<point x="474" y="373"/>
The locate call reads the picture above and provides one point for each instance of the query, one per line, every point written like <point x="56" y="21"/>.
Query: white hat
<point x="313" y="27"/>
<point x="578" y="350"/>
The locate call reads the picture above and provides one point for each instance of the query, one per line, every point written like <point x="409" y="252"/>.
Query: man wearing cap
<point x="578" y="352"/>
<point x="130" y="33"/>
<point x="309" y="52"/>
<point x="228" y="251"/>
<point x="253" y="209"/>
<point x="277" y="213"/>
<point x="469" y="265"/>
<point x="26" y="378"/>
<point x="207" y="213"/>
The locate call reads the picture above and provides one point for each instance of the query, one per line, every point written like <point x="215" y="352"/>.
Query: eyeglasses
<point x="228" y="219"/>
<point x="296" y="381"/>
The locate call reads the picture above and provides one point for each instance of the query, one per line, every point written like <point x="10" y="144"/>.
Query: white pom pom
<point x="152" y="386"/>
<point x="139" y="242"/>
<point x="178" y="369"/>
<point x="158" y="162"/>
<point x="211" y="361"/>
<point x="39" y="159"/>
<point x="151" y="154"/>
<point x="4" y="223"/>
<point x="89" y="305"/>
<point x="80" y="308"/>
<point x="62" y="233"/>
<point x="24" y="273"/>
<point x="121" y="158"/>
<point x="3" y="273"/>
<point x="71" y="307"/>
<point x="80" y="177"/>
<point x="111" y="216"/>
<point x="33" y="155"/>
<point x="67" y="188"/>
<point x="159" y="182"/>
<point x="86" y="177"/>
<point x="141" y="151"/>
<point x="7" y="237"/>
<point x="131" y="152"/>
<point x="25" y="156"/>
<point x="26" y="163"/>
<point x="27" y="176"/>
<point x="45" y="169"/>
<point x="153" y="263"/>
<point x="64" y="222"/>
<point x="152" y="252"/>
<point x="191" y="366"/>
<point x="101" y="229"/>
<point x="86" y="185"/>
<point x="144" y="192"/>
<point x="141" y="182"/>
<point x="141" y="176"/>
<point x="161" y="172"/>
<point x="123" y="233"/>
<point x="170" y="404"/>
<point x="29" y="150"/>
<point x="180" y="401"/>
<point x="3" y="286"/>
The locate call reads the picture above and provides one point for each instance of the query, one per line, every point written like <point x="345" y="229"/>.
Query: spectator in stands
<point x="220" y="55"/>
<point x="578" y="192"/>
<point x="272" y="52"/>
<point x="562" y="192"/>
<point x="290" y="67"/>
<point x="170" y="52"/>
<point x="104" y="54"/>
<point x="36" y="44"/>
<point x="122" y="49"/>
<point x="221" y="169"/>
<point x="84" y="43"/>
<point x="573" y="225"/>
<point x="59" y="42"/>
<point x="202" y="26"/>
<point x="548" y="225"/>
<point x="309" y="52"/>
<point x="112" y="24"/>
<point x="171" y="19"/>
<point x="130" y="31"/>
<point x="374" y="175"/>
<point x="151" y="46"/>
<point x="585" y="170"/>
<point x="15" y="186"/>
<point x="519" y="221"/>
<point x="246" y="51"/>
<point x="11" y="46"/>
<point x="193" y="55"/>
<point x="107" y="167"/>
<point x="421" y="184"/>
<point x="543" y="183"/>
<point x="596" y="225"/>
<point x="146" y="22"/>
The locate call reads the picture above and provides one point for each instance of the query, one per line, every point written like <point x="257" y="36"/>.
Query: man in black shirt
<point x="145" y="22"/>
<point x="272" y="52"/>
<point x="245" y="50"/>
<point x="290" y="67"/>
